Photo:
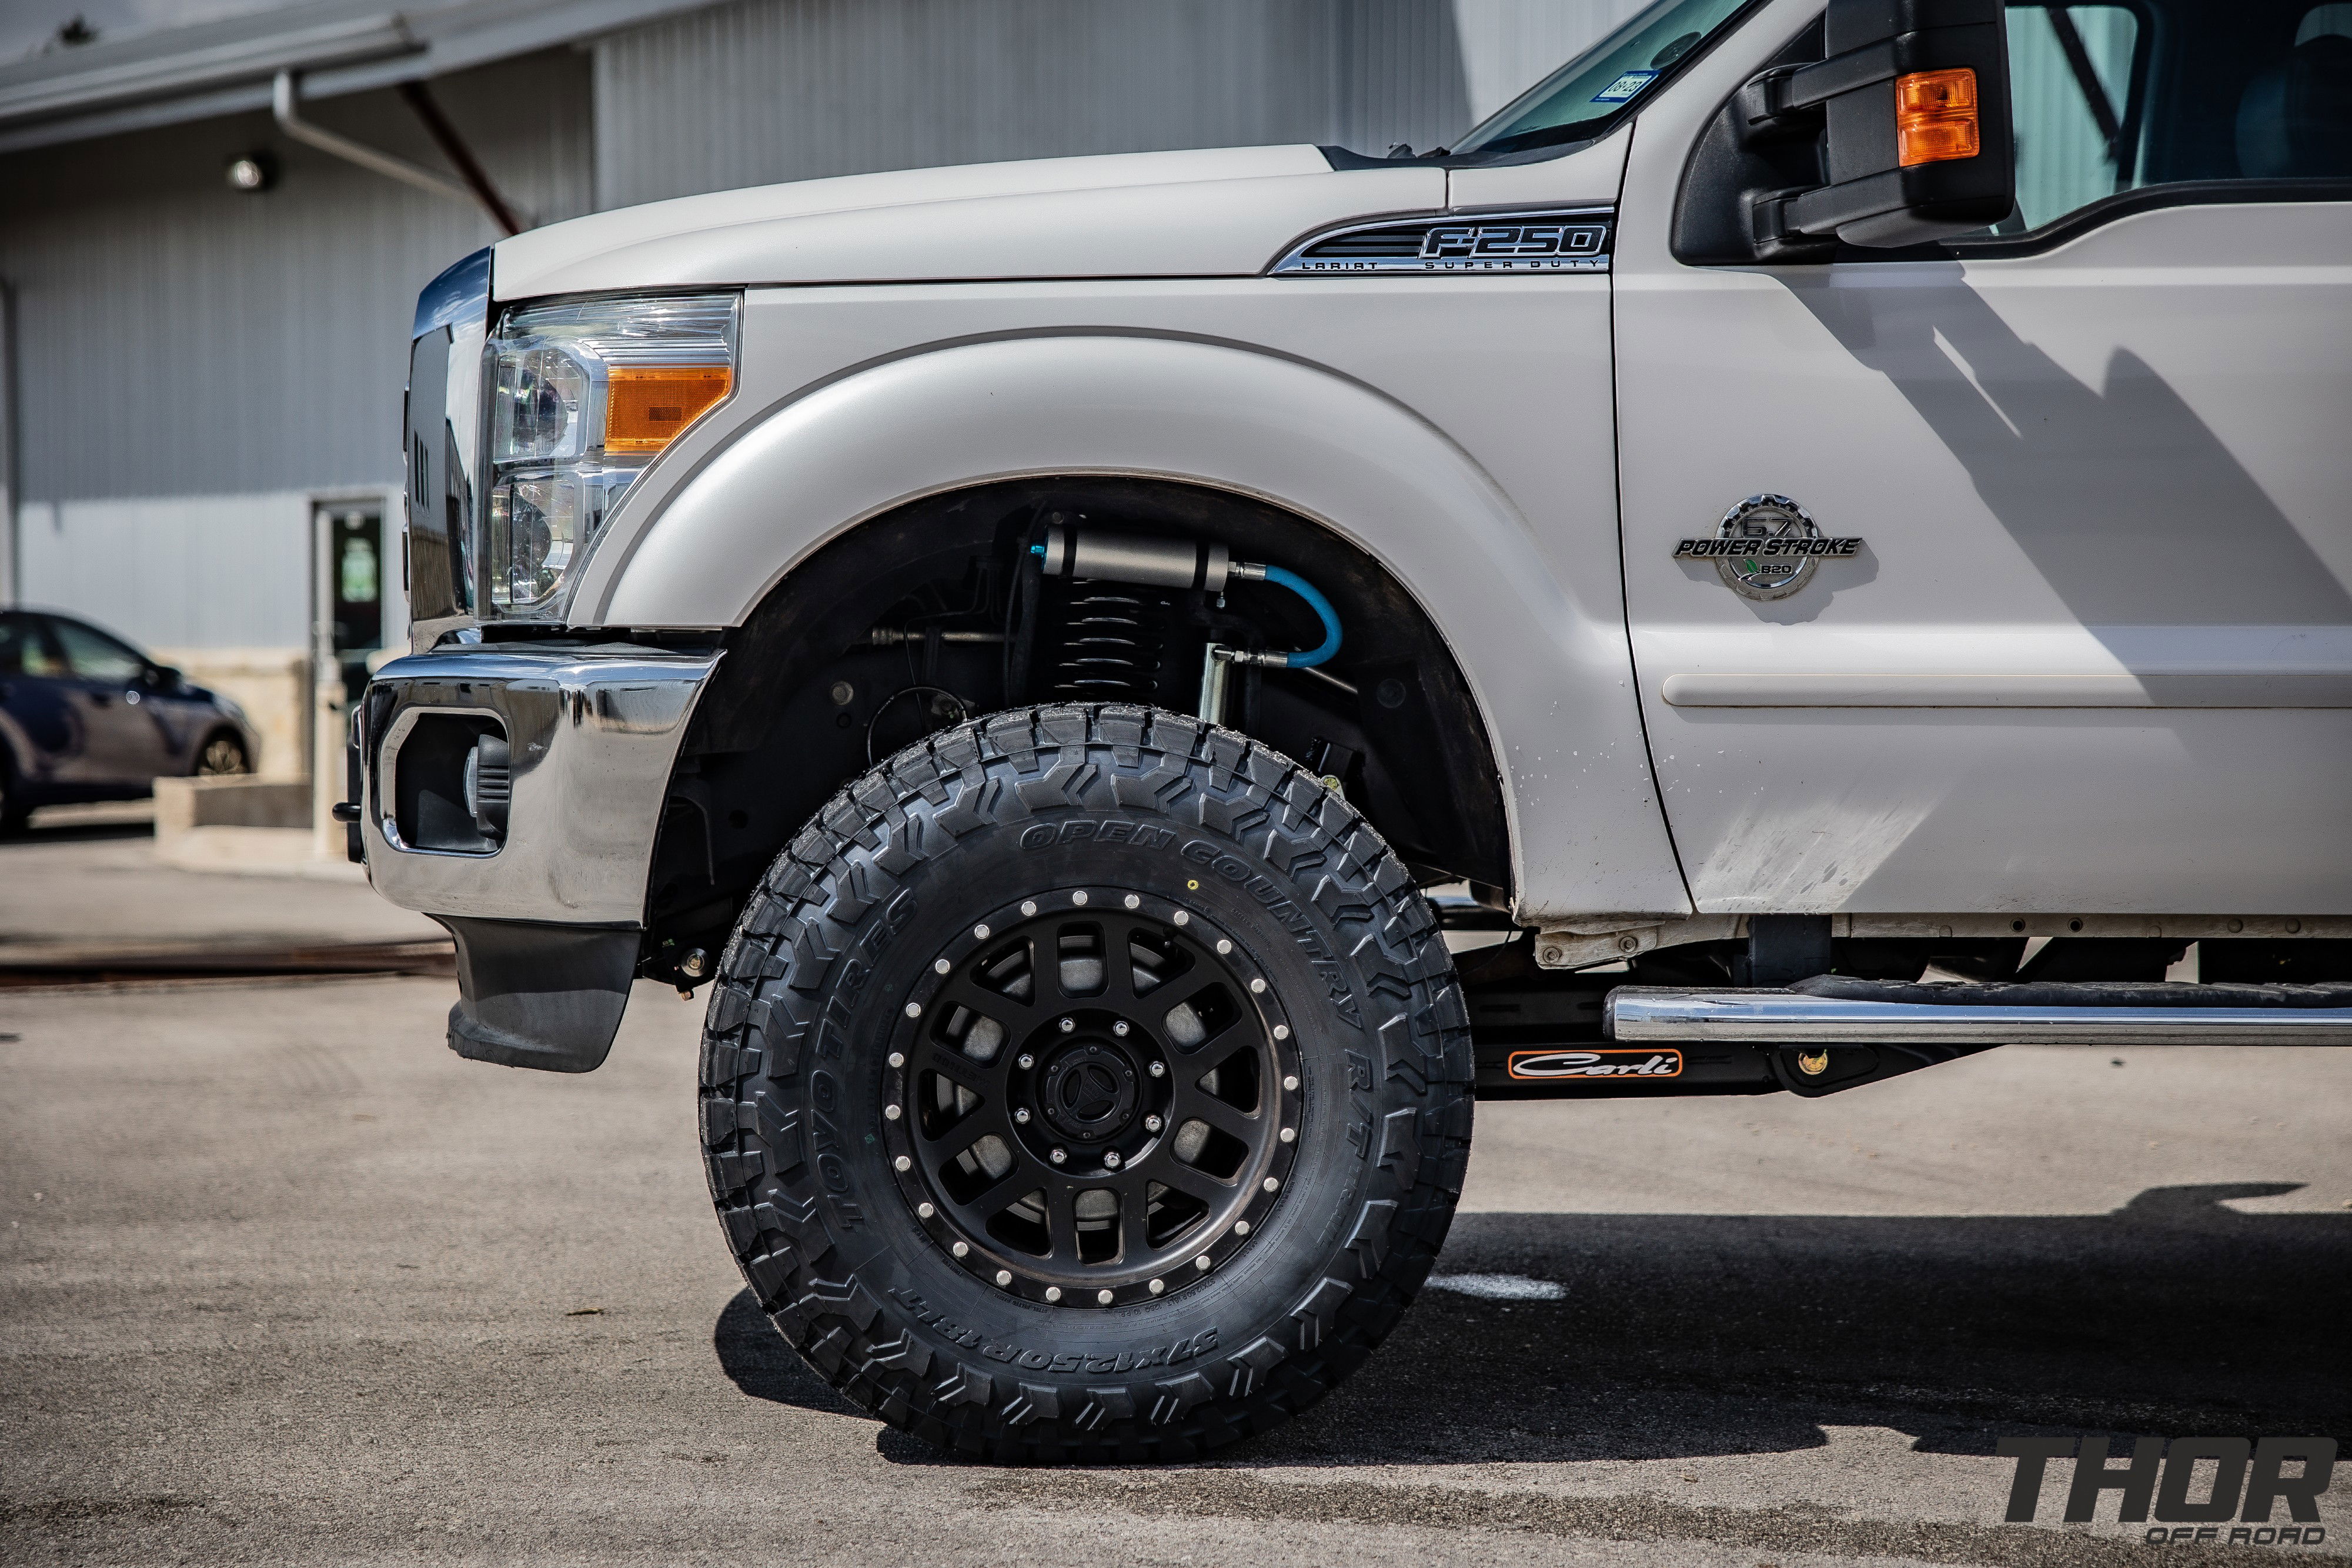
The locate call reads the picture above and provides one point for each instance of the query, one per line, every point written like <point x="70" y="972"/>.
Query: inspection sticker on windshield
<point x="1624" y="86"/>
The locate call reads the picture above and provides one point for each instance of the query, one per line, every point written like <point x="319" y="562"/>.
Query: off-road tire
<point x="1029" y="804"/>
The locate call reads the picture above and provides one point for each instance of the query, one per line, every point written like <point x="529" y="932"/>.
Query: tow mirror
<point x="1913" y="97"/>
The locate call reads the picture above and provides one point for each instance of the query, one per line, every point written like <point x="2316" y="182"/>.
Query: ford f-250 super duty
<point x="1826" y="535"/>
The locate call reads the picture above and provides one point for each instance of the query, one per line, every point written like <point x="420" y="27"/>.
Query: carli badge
<point x="1767" y="547"/>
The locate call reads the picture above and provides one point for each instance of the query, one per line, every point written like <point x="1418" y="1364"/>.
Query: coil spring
<point x="1110" y="652"/>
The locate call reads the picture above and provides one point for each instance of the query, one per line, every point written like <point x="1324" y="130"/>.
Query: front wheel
<point x="1086" y="1083"/>
<point x="223" y="757"/>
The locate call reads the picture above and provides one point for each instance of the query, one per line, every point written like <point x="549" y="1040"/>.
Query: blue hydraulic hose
<point x="1317" y="603"/>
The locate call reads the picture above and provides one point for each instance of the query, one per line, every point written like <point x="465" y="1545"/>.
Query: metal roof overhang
<point x="227" y="66"/>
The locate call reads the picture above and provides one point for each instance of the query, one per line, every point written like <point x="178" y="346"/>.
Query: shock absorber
<point x="1144" y="559"/>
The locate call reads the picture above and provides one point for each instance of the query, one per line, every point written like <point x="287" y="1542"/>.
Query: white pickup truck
<point x="1809" y="545"/>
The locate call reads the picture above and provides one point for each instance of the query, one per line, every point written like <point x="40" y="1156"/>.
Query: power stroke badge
<point x="1767" y="547"/>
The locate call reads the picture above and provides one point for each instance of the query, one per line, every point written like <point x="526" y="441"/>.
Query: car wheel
<point x="1086" y="1083"/>
<point x="223" y="756"/>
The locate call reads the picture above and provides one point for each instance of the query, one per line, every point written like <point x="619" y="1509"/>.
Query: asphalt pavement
<point x="283" y="1280"/>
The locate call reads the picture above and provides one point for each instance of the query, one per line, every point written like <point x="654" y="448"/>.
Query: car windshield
<point x="1583" y="97"/>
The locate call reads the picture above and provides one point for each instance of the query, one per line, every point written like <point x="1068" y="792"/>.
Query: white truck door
<point x="2093" y="651"/>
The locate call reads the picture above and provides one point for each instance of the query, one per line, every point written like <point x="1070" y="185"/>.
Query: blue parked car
<point x="86" y="717"/>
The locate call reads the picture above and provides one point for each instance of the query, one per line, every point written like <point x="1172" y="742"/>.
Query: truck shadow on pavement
<point x="1687" y="1335"/>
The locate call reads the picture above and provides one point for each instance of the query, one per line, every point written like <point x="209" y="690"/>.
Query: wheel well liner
<point x="754" y="765"/>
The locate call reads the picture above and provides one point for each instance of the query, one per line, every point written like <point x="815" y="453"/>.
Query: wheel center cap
<point x="1089" y="1092"/>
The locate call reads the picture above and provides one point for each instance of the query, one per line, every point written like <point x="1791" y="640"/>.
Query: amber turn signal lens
<point x="1936" y="117"/>
<point x="649" y="405"/>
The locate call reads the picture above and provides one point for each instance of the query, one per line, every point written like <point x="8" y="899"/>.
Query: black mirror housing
<point x="1915" y="98"/>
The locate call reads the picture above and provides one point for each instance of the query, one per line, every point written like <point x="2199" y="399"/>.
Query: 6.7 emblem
<point x="1767" y="547"/>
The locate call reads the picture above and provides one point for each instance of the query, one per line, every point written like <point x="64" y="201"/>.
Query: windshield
<point x="1580" y="101"/>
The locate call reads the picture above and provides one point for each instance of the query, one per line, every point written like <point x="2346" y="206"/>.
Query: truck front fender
<point x="1552" y="678"/>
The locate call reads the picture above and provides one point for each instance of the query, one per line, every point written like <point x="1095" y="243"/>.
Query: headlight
<point x="582" y="396"/>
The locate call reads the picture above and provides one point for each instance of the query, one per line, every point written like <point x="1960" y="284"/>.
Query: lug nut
<point x="1120" y="1028"/>
<point x="1070" y="1024"/>
<point x="1159" y="1070"/>
<point x="1152" y="1123"/>
<point x="1111" y="1160"/>
<point x="1058" y="1155"/>
<point x="1024" y="1061"/>
<point x="1021" y="1114"/>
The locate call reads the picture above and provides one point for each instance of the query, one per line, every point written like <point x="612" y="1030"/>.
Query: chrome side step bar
<point x="1647" y="1015"/>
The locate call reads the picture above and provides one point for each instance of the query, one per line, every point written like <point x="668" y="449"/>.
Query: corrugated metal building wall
<point x="179" y="338"/>
<point x="759" y="92"/>
<point x="765" y="90"/>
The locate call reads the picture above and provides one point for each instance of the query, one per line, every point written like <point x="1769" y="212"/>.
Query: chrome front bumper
<point x="549" y="914"/>
<point x="593" y="734"/>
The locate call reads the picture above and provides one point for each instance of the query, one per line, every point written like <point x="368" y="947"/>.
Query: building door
<point x="2093" y="652"/>
<point x="354" y="548"/>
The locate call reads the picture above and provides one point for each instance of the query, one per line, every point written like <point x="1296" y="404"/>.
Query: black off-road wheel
<point x="1086" y="1083"/>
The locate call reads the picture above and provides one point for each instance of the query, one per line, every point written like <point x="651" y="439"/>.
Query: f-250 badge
<point x="1767" y="547"/>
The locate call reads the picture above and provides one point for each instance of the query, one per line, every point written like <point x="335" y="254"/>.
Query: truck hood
<point x="1225" y="212"/>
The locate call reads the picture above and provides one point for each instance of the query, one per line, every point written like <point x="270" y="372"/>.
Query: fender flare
<point x="1550" y="671"/>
